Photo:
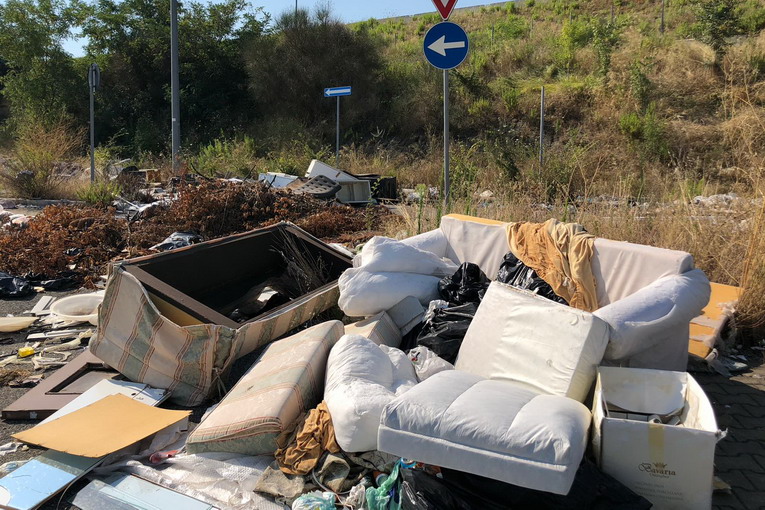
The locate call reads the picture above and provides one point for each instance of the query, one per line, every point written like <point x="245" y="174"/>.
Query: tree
<point x="131" y="41"/>
<point x="290" y="68"/>
<point x="43" y="81"/>
<point x="718" y="20"/>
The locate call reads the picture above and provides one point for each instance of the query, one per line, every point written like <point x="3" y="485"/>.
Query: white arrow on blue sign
<point x="337" y="91"/>
<point x="446" y="45"/>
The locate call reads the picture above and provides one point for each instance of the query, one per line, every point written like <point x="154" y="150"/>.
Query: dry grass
<point x="33" y="168"/>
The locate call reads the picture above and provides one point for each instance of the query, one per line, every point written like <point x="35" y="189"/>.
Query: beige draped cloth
<point x="561" y="254"/>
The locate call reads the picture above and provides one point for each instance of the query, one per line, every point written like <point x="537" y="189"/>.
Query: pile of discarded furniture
<point x="479" y="365"/>
<point x="326" y="182"/>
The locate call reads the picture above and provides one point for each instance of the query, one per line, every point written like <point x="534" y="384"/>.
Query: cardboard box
<point x="671" y="466"/>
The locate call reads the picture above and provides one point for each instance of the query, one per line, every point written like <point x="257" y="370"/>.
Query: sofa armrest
<point x="656" y="318"/>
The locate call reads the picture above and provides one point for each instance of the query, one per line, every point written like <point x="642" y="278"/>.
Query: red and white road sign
<point x="445" y="7"/>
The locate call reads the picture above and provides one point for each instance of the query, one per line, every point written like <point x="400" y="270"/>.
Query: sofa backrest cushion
<point x="531" y="341"/>
<point x="476" y="240"/>
<point x="622" y="268"/>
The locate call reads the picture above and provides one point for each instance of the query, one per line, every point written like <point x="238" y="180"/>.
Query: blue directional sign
<point x="446" y="45"/>
<point x="337" y="92"/>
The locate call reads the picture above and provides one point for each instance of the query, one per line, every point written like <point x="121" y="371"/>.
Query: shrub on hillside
<point x="31" y="171"/>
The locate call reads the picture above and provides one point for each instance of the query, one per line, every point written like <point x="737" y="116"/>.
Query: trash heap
<point x="462" y="368"/>
<point x="77" y="243"/>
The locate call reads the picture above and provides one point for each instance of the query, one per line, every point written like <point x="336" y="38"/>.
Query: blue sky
<point x="347" y="10"/>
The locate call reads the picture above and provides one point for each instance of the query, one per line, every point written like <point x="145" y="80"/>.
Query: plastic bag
<point x="423" y="491"/>
<point x="315" y="501"/>
<point x="516" y="273"/>
<point x="443" y="334"/>
<point x="467" y="285"/>
<point x="177" y="240"/>
<point x="592" y="490"/>
<point x="427" y="363"/>
<point x="386" y="496"/>
<point x="14" y="287"/>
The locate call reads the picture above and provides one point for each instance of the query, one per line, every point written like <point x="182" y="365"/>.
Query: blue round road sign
<point x="446" y="45"/>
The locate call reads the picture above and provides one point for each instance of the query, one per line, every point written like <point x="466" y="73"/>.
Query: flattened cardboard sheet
<point x="111" y="424"/>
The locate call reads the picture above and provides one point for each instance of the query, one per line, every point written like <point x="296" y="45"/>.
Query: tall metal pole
<point x="337" y="141"/>
<point x="92" y="129"/>
<point x="661" y="28"/>
<point x="446" y="140"/>
<point x="175" y="86"/>
<point x="542" y="128"/>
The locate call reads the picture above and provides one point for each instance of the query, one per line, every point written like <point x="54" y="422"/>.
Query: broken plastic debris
<point x="14" y="324"/>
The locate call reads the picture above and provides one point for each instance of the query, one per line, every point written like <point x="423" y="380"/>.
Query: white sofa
<point x="512" y="409"/>
<point x="647" y="295"/>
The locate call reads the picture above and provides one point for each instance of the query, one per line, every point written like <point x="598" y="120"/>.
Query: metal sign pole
<point x="175" y="86"/>
<point x="92" y="134"/>
<point x="94" y="82"/>
<point x="337" y="141"/>
<point x="446" y="140"/>
<point x="542" y="128"/>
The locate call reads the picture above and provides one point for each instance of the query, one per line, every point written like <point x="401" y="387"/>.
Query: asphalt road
<point x="7" y="394"/>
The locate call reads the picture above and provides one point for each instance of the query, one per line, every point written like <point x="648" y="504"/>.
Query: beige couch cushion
<point x="285" y="381"/>
<point x="523" y="338"/>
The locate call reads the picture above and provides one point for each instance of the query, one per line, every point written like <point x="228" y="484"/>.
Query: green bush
<point x="30" y="172"/>
<point x="100" y="193"/>
<point x="647" y="132"/>
<point x="752" y="16"/>
<point x="226" y="158"/>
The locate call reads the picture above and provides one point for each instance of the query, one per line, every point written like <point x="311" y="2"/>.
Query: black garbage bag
<point x="178" y="240"/>
<point x="467" y="285"/>
<point x="516" y="273"/>
<point x="14" y="287"/>
<point x="444" y="332"/>
<point x="592" y="490"/>
<point x="423" y="491"/>
<point x="65" y="280"/>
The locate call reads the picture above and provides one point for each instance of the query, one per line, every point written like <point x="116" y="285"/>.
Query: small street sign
<point x="446" y="45"/>
<point x="445" y="7"/>
<point x="337" y="91"/>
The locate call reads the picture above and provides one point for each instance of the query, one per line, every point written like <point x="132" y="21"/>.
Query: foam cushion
<point x="285" y="381"/>
<point x="523" y="338"/>
<point x="362" y="378"/>
<point x="379" y="328"/>
<point x="622" y="268"/>
<point x="490" y="428"/>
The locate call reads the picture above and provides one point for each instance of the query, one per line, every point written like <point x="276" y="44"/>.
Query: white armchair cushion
<point x="544" y="346"/>
<point x="490" y="428"/>
<point x="656" y="315"/>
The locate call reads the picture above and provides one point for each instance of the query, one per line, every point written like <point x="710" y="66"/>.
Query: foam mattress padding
<point x="285" y="381"/>
<point x="489" y="428"/>
<point x="547" y="347"/>
<point x="362" y="378"/>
